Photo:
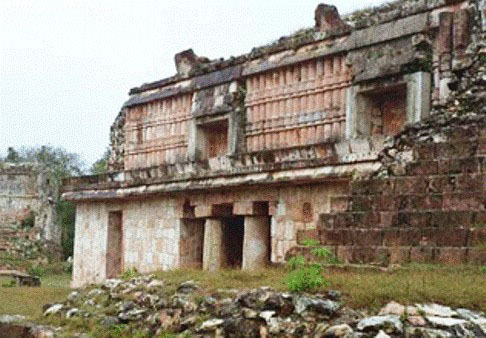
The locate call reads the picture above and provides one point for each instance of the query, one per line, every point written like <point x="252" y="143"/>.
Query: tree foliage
<point x="101" y="166"/>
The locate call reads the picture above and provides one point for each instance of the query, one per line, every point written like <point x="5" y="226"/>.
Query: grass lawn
<point x="462" y="286"/>
<point x="28" y="301"/>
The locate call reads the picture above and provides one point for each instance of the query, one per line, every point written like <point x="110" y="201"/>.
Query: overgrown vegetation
<point x="306" y="274"/>
<point x="101" y="166"/>
<point x="363" y="287"/>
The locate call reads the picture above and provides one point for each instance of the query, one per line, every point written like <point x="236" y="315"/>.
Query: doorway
<point x="233" y="233"/>
<point x="114" y="247"/>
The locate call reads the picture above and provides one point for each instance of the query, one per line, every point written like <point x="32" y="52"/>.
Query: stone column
<point x="213" y="244"/>
<point x="256" y="242"/>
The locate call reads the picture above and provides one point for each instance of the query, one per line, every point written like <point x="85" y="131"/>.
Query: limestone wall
<point x="150" y="237"/>
<point x="158" y="233"/>
<point x="18" y="192"/>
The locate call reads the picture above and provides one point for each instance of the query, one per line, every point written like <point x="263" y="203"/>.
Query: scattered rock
<point x="334" y="295"/>
<point x="342" y="330"/>
<point x="187" y="287"/>
<point x="72" y="313"/>
<point x="54" y="309"/>
<point x="250" y="313"/>
<point x="416" y="321"/>
<point x="426" y="333"/>
<point x="382" y="334"/>
<point x="435" y="310"/>
<point x="155" y="284"/>
<point x="73" y="296"/>
<point x="389" y="323"/>
<point x="267" y="315"/>
<point x="211" y="325"/>
<point x="113" y="283"/>
<point x="442" y="322"/>
<point x="109" y="321"/>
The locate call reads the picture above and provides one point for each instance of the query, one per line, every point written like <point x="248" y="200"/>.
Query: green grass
<point x="461" y="286"/>
<point x="28" y="301"/>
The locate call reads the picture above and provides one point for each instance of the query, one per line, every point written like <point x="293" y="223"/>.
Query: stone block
<point x="471" y="182"/>
<point x="422" y="254"/>
<point x="442" y="218"/>
<point x="429" y="236"/>
<point x="303" y="235"/>
<point x="452" y="236"/>
<point x="368" y="237"/>
<point x="362" y="203"/>
<point x="402" y="237"/>
<point x="455" y="149"/>
<point x="422" y="168"/>
<point x="344" y="253"/>
<point x="250" y="208"/>
<point x="477" y="237"/>
<point x="476" y="256"/>
<point x="451" y="256"/>
<point x="479" y="219"/>
<point x="410" y="185"/>
<point x="424" y="151"/>
<point x="463" y="201"/>
<point x="336" y="237"/>
<point x="364" y="254"/>
<point x="339" y="203"/>
<point x="399" y="254"/>
<point x="366" y="219"/>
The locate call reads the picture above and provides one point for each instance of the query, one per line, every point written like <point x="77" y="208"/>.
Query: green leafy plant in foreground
<point x="305" y="275"/>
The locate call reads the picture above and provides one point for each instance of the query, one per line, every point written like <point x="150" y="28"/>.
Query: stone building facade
<point x="24" y="198"/>
<point x="233" y="162"/>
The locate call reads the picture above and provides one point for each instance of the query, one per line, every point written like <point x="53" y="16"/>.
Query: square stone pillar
<point x="256" y="242"/>
<point x="213" y="244"/>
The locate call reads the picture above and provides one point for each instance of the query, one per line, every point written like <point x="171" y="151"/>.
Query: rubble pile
<point x="148" y="304"/>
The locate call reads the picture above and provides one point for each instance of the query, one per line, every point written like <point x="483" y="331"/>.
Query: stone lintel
<point x="250" y="208"/>
<point x="213" y="210"/>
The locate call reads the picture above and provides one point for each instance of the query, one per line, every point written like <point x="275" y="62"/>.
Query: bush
<point x="36" y="271"/>
<point x="306" y="278"/>
<point x="305" y="275"/>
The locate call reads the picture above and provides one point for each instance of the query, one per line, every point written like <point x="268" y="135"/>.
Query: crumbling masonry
<point x="365" y="133"/>
<point x="26" y="205"/>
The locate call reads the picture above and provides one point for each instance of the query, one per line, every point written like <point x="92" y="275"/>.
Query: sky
<point x="66" y="66"/>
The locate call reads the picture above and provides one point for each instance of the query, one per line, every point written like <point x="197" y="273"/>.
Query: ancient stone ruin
<point x="26" y="206"/>
<point x="365" y="133"/>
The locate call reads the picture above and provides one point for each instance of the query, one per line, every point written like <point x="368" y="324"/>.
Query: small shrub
<point x="296" y="262"/>
<point x="10" y="284"/>
<point x="325" y="254"/>
<point x="129" y="274"/>
<point x="307" y="278"/>
<point x="309" y="242"/>
<point x="36" y="271"/>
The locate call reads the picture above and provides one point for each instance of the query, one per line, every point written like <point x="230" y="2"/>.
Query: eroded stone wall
<point x="24" y="202"/>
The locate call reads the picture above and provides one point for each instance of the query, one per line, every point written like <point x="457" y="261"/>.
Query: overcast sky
<point x="66" y="65"/>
